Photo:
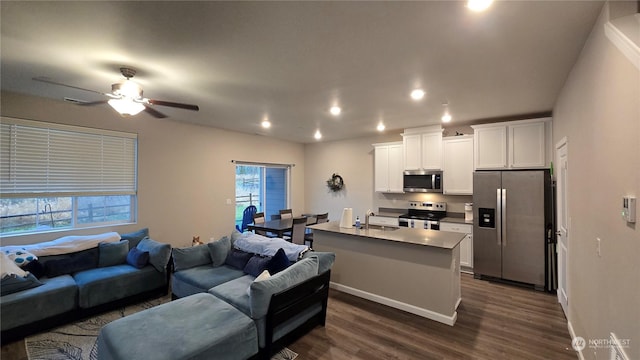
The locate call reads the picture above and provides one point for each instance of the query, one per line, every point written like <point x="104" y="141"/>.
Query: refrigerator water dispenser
<point x="487" y="218"/>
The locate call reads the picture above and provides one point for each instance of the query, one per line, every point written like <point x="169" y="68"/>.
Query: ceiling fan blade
<point x="173" y="104"/>
<point x="154" y="112"/>
<point x="92" y="103"/>
<point x="49" y="81"/>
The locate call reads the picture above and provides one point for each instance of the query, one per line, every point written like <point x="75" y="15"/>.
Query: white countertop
<point x="439" y="239"/>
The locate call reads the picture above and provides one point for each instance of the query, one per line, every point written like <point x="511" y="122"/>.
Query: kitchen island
<point x="414" y="270"/>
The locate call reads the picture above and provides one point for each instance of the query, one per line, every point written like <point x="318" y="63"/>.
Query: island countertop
<point x="433" y="238"/>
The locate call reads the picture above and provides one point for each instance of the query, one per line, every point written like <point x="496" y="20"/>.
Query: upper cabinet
<point x="388" y="167"/>
<point x="457" y="165"/>
<point x="423" y="148"/>
<point x="523" y="144"/>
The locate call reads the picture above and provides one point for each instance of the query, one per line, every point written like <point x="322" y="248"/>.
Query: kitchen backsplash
<point x="455" y="203"/>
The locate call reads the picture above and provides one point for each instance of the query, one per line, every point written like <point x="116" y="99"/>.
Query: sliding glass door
<point x="265" y="186"/>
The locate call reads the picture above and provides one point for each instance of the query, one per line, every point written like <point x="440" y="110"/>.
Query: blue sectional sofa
<point x="79" y="284"/>
<point x="283" y="306"/>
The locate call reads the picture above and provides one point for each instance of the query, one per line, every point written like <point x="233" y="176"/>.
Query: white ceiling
<point x="242" y="61"/>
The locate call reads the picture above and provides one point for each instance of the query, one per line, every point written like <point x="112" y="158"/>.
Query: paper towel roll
<point x="347" y="218"/>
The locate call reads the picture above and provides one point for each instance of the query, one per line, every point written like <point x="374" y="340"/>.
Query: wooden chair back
<point x="286" y="214"/>
<point x="297" y="234"/>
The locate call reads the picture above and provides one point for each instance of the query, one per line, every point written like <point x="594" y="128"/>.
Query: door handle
<point x="504" y="217"/>
<point x="498" y="216"/>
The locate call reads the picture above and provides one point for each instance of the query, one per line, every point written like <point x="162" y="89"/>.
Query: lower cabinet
<point x="466" y="246"/>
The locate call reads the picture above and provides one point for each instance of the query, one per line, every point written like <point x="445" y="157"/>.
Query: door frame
<point x="562" y="247"/>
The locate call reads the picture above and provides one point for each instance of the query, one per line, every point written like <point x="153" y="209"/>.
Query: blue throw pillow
<point x="219" y="250"/>
<point x="278" y="262"/>
<point x="36" y="268"/>
<point x="113" y="253"/>
<point x="138" y="258"/>
<point x="159" y="253"/>
<point x="76" y="262"/>
<point x="237" y="258"/>
<point x="256" y="265"/>
<point x="188" y="257"/>
<point x="13" y="283"/>
<point x="135" y="237"/>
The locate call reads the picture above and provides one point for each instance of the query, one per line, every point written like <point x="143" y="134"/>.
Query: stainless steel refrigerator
<point x="512" y="228"/>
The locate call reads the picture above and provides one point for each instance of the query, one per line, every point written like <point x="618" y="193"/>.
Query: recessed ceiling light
<point x="417" y="94"/>
<point x="479" y="5"/>
<point x="317" y="135"/>
<point x="380" y="126"/>
<point x="446" y="117"/>
<point x="335" y="110"/>
<point x="266" y="123"/>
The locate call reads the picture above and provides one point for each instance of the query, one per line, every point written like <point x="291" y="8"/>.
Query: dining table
<point x="277" y="226"/>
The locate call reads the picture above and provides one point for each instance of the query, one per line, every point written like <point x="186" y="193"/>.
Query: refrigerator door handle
<point x="499" y="215"/>
<point x="503" y="224"/>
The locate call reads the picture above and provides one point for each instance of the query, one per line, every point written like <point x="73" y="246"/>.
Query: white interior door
<point x="562" y="221"/>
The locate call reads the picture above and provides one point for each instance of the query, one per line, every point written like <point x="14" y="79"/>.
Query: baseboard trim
<point x="432" y="315"/>
<point x="573" y="336"/>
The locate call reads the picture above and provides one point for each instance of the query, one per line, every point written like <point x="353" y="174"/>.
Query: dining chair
<point x="297" y="233"/>
<point x="258" y="218"/>
<point x="320" y="218"/>
<point x="247" y="217"/>
<point x="286" y="214"/>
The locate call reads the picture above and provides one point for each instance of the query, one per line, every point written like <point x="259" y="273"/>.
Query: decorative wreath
<point x="335" y="183"/>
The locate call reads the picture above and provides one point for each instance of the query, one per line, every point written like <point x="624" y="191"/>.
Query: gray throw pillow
<point x="111" y="254"/>
<point x="219" y="250"/>
<point x="14" y="283"/>
<point x="135" y="237"/>
<point x="159" y="253"/>
<point x="188" y="257"/>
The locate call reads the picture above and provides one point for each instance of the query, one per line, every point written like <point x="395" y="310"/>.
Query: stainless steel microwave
<point x="422" y="181"/>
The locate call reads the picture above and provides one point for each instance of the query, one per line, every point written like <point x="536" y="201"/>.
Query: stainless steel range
<point x="423" y="215"/>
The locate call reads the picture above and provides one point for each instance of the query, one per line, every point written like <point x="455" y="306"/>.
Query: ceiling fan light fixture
<point x="128" y="89"/>
<point x="126" y="106"/>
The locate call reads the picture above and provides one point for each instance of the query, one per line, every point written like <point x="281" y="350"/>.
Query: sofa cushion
<point x="159" y="253"/>
<point x="83" y="260"/>
<point x="14" y="283"/>
<point x="57" y="296"/>
<point x="36" y="268"/>
<point x="261" y="291"/>
<point x="219" y="250"/>
<point x="188" y="257"/>
<point x="135" y="237"/>
<point x="138" y="258"/>
<point x="113" y="253"/>
<point x="202" y="278"/>
<point x="102" y="285"/>
<point x="278" y="262"/>
<point x="325" y="259"/>
<point x="195" y="327"/>
<point x="256" y="265"/>
<point x="237" y="259"/>
<point x="234" y="292"/>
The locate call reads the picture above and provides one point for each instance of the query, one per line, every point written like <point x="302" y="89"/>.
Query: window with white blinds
<point x="46" y="159"/>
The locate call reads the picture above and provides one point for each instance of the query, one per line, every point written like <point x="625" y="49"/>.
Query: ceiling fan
<point x="126" y="97"/>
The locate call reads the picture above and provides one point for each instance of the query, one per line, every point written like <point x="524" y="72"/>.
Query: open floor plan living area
<point x="282" y="180"/>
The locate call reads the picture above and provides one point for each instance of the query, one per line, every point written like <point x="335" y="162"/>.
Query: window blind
<point x="45" y="159"/>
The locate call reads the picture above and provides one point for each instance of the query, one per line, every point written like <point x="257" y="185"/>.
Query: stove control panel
<point x="428" y="205"/>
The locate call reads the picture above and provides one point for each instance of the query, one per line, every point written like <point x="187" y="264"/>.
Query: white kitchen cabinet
<point x="388" y="167"/>
<point x="523" y="144"/>
<point x="466" y="246"/>
<point x="457" y="165"/>
<point x="423" y="148"/>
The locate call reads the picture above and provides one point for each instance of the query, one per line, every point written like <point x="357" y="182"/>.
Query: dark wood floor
<point x="495" y="321"/>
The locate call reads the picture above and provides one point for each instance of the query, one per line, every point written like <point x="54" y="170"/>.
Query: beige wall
<point x="598" y="111"/>
<point x="185" y="174"/>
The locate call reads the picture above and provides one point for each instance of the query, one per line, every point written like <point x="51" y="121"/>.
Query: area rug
<point x="78" y="340"/>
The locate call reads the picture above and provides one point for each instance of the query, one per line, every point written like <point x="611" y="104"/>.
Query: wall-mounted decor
<point x="335" y="183"/>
